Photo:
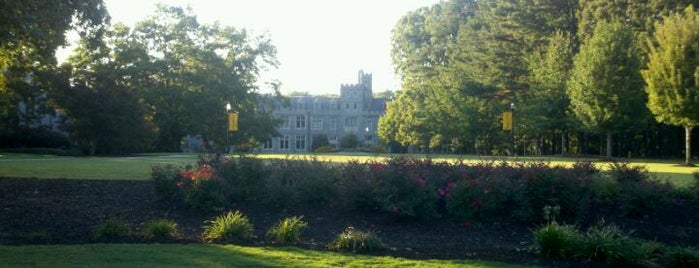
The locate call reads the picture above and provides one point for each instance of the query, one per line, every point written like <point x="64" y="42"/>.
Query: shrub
<point x="112" y="228"/>
<point x="161" y="229"/>
<point x="166" y="179"/>
<point x="244" y="177"/>
<point x="608" y="244"/>
<point x="404" y="187"/>
<point x="324" y="149"/>
<point x="681" y="258"/>
<point x="554" y="240"/>
<point x="286" y="231"/>
<point x="356" y="241"/>
<point x="202" y="189"/>
<point x="228" y="227"/>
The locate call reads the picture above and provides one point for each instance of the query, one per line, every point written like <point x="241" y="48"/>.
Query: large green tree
<point x="193" y="71"/>
<point x="672" y="73"/>
<point x="102" y="111"/>
<point x="544" y="108"/>
<point x="30" y="33"/>
<point x="605" y="88"/>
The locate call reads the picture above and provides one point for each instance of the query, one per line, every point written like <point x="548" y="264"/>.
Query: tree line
<point x="614" y="78"/>
<point x="129" y="89"/>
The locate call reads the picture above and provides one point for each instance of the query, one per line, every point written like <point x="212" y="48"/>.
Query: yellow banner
<point x="507" y="121"/>
<point x="232" y="122"/>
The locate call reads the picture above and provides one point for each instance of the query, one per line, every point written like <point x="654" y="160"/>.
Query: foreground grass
<point x="194" y="255"/>
<point x="139" y="167"/>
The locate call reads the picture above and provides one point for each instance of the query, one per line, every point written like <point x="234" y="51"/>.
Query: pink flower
<point x="450" y="184"/>
<point x="442" y="191"/>
<point x="395" y="209"/>
<point x="419" y="180"/>
<point x="467" y="224"/>
<point x="377" y="166"/>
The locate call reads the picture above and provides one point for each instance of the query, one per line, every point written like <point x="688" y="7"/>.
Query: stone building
<point x="354" y="112"/>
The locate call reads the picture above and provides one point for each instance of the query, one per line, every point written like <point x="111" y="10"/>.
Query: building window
<point x="355" y="106"/>
<point x="267" y="145"/>
<point x="285" y="122"/>
<point x="333" y="123"/>
<point x="300" y="142"/>
<point x="350" y="122"/>
<point x="300" y="121"/>
<point x="284" y="143"/>
<point x="347" y="106"/>
<point x="317" y="122"/>
<point x="299" y="105"/>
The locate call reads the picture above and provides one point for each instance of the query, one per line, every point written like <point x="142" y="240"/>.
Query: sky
<point x="321" y="44"/>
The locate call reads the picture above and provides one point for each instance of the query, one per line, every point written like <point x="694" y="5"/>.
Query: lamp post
<point x="366" y="137"/>
<point x="512" y="132"/>
<point x="228" y="110"/>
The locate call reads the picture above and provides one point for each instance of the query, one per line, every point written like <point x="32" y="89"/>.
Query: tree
<point x="30" y="32"/>
<point x="672" y="73"/>
<point x="192" y="71"/>
<point x="605" y="88"/>
<point x="549" y="72"/>
<point x="101" y="112"/>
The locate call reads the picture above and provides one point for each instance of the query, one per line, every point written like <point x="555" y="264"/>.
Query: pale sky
<point x="320" y="43"/>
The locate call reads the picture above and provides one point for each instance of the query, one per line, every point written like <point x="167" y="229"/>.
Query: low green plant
<point x="112" y="228"/>
<point x="679" y="257"/>
<point x="286" y="231"/>
<point x="228" y="227"/>
<point x="605" y="243"/>
<point x="555" y="240"/>
<point x="356" y="241"/>
<point x="160" y="229"/>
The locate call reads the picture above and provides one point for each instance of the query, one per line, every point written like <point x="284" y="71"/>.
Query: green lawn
<point x="196" y="255"/>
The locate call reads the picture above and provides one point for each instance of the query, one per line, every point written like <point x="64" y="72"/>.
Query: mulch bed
<point x="59" y="211"/>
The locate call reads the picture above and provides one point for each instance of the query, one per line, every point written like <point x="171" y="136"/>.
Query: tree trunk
<point x="609" y="145"/>
<point x="688" y="145"/>
<point x="564" y="150"/>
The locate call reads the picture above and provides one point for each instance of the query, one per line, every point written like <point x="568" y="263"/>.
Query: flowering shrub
<point x="416" y="188"/>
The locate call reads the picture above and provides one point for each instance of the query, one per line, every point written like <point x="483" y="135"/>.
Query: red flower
<point x="467" y="224"/>
<point x="442" y="191"/>
<point x="450" y="184"/>
<point x="475" y="204"/>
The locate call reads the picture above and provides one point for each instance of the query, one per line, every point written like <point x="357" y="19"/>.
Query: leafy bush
<point x="166" y="179"/>
<point x="324" y="149"/>
<point x="160" y="229"/>
<point x="286" y="231"/>
<point x="229" y="227"/>
<point x="554" y="240"/>
<point x="202" y="189"/>
<point x="404" y="187"/>
<point x="112" y="228"/>
<point x="608" y="244"/>
<point x="356" y="241"/>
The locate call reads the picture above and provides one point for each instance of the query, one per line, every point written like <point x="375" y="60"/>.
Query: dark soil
<point x="58" y="211"/>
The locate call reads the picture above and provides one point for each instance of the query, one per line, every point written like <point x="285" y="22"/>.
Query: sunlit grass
<point x="106" y="168"/>
<point x="197" y="255"/>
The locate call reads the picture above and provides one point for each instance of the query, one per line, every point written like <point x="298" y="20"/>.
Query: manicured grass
<point x="195" y="255"/>
<point x="106" y="168"/>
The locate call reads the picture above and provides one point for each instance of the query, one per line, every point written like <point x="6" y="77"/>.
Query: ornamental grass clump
<point x="161" y="229"/>
<point x="287" y="231"/>
<point x="555" y="240"/>
<point x="227" y="228"/>
<point x="112" y="228"/>
<point x="356" y="241"/>
<point x="608" y="244"/>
